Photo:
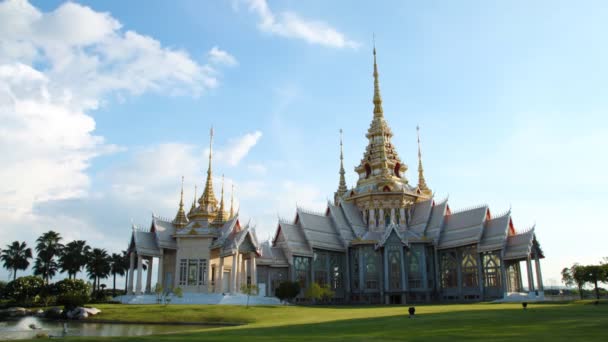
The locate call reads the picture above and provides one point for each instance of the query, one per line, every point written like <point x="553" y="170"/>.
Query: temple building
<point x="382" y="241"/>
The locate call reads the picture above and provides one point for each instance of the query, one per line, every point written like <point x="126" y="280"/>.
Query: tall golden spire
<point x="208" y="201"/>
<point x="232" y="202"/>
<point x="421" y="181"/>
<point x="180" y="218"/>
<point x="378" y="112"/>
<point x="342" y="184"/>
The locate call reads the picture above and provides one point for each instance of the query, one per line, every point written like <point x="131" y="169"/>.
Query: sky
<point x="105" y="105"/>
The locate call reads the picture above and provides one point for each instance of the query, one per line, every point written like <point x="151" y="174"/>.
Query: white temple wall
<point x="189" y="250"/>
<point x="168" y="260"/>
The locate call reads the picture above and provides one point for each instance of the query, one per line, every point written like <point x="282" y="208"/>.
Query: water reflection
<point x="29" y="327"/>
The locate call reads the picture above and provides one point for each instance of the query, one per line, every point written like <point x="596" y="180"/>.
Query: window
<point x="320" y="268"/>
<point x="368" y="170"/>
<point x="192" y="272"/>
<point x="387" y="217"/>
<point x="336" y="268"/>
<point x="394" y="269"/>
<point x="469" y="267"/>
<point x="183" y="268"/>
<point x="397" y="170"/>
<point x="491" y="267"/>
<point x="371" y="268"/>
<point x="449" y="269"/>
<point x="302" y="269"/>
<point x="397" y="216"/>
<point x="356" y="268"/>
<point x="414" y="273"/>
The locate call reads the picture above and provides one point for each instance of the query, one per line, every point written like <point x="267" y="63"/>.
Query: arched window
<point x="469" y="267"/>
<point x="491" y="268"/>
<point x="387" y="217"/>
<point x="414" y="267"/>
<point x="368" y="171"/>
<point x="397" y="170"/>
<point x="397" y="216"/>
<point x="449" y="270"/>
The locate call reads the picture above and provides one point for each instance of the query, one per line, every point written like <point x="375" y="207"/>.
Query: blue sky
<point x="510" y="97"/>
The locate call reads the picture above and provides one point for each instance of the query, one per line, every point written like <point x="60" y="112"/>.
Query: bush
<point x="70" y="287"/>
<point x="71" y="301"/>
<point x="287" y="290"/>
<point x="25" y="290"/>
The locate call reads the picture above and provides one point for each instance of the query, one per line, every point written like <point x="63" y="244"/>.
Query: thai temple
<point x="383" y="241"/>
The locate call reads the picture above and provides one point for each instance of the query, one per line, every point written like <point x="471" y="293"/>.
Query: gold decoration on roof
<point x="221" y="214"/>
<point x="232" y="202"/>
<point x="381" y="165"/>
<point x="342" y="184"/>
<point x="421" y="181"/>
<point x="193" y="207"/>
<point x="208" y="203"/>
<point x="180" y="218"/>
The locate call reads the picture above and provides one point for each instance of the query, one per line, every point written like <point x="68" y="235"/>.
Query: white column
<point x="393" y="216"/>
<point x="539" y="278"/>
<point x="530" y="277"/>
<point x="149" y="275"/>
<point x="219" y="283"/>
<point x="131" y="272"/>
<point x="160" y="275"/>
<point x="380" y="222"/>
<point x="254" y="270"/>
<point x="371" y="219"/>
<point x="233" y="273"/>
<point x="245" y="270"/>
<point x="140" y="270"/>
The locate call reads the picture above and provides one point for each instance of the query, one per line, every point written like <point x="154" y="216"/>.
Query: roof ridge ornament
<point x="421" y="181"/>
<point x="180" y="218"/>
<point x="342" y="189"/>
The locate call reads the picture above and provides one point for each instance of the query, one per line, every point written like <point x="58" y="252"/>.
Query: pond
<point x="29" y="327"/>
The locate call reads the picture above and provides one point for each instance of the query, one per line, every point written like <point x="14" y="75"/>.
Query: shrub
<point x="287" y="290"/>
<point x="2" y="287"/>
<point x="71" y="301"/>
<point x="70" y="287"/>
<point x="24" y="290"/>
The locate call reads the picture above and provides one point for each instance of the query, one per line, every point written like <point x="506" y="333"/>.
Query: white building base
<point x="516" y="297"/>
<point x="202" y="298"/>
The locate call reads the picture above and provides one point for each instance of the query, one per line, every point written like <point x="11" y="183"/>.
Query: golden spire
<point x="232" y="202"/>
<point x="208" y="201"/>
<point x="180" y="218"/>
<point x="377" y="98"/>
<point x="221" y="214"/>
<point x="342" y="184"/>
<point x="421" y="181"/>
<point x="193" y="207"/>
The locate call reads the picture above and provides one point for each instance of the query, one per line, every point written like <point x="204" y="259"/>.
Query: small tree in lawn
<point x="576" y="274"/>
<point x="287" y="290"/>
<point x="326" y="293"/>
<point x="595" y="274"/>
<point x="158" y="290"/>
<point x="314" y="292"/>
<point x="249" y="290"/>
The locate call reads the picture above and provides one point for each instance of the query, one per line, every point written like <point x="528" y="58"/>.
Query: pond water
<point x="29" y="327"/>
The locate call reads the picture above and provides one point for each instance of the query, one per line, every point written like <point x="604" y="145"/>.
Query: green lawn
<point x="483" y="322"/>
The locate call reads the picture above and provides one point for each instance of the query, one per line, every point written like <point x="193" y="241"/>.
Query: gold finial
<point x="421" y="181"/>
<point x="221" y="214"/>
<point x="232" y="201"/>
<point x="342" y="184"/>
<point x="193" y="207"/>
<point x="180" y="218"/>
<point x="378" y="112"/>
<point x="208" y="202"/>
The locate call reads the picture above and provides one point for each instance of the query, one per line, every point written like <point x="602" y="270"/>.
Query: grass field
<point x="578" y="321"/>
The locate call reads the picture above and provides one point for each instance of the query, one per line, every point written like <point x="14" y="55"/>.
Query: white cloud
<point x="221" y="57"/>
<point x="291" y="25"/>
<point x="237" y="148"/>
<point x="55" y="68"/>
<point x="257" y="168"/>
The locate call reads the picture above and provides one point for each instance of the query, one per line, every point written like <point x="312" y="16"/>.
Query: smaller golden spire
<point x="232" y="202"/>
<point x="421" y="181"/>
<point x="193" y="207"/>
<point x="180" y="218"/>
<point x="221" y="214"/>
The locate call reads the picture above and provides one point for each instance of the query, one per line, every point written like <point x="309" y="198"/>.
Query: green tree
<point x="595" y="274"/>
<point x="117" y="266"/>
<point x="74" y="257"/>
<point x="287" y="290"/>
<point x="48" y="249"/>
<point x="249" y="290"/>
<point x="314" y="292"/>
<point x="98" y="266"/>
<point x="24" y="289"/>
<point x="16" y="257"/>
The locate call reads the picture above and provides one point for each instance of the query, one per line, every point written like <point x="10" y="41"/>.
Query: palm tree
<point x="15" y="257"/>
<point x="98" y="266"/>
<point x="117" y="266"/>
<point x="74" y="257"/>
<point x="48" y="248"/>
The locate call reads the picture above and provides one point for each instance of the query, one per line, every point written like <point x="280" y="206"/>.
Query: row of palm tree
<point x="71" y="258"/>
